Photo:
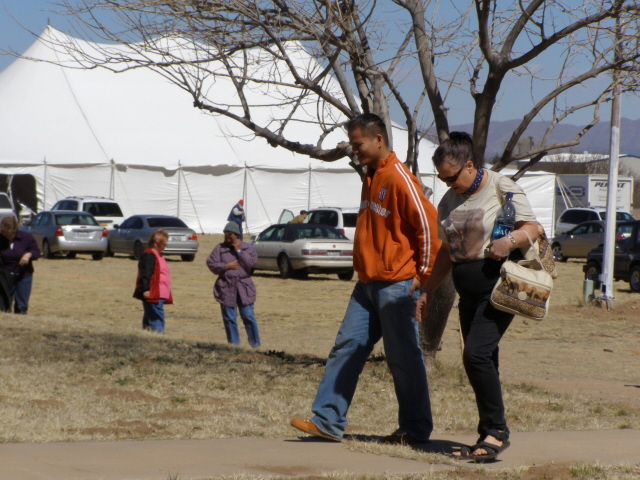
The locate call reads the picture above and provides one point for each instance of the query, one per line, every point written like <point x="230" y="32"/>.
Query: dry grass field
<point x="80" y="368"/>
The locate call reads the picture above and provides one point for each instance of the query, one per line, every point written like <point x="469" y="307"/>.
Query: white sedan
<point x="303" y="248"/>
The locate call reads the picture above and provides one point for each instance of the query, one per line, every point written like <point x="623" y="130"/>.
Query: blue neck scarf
<point x="476" y="182"/>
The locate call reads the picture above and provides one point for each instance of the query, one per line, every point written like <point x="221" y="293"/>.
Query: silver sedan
<point x="580" y="240"/>
<point x="68" y="232"/>
<point x="300" y="249"/>
<point x="132" y="235"/>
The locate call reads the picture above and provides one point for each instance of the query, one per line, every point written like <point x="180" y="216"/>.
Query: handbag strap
<point x="535" y="250"/>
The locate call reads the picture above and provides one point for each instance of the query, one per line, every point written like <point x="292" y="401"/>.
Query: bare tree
<point x="329" y="60"/>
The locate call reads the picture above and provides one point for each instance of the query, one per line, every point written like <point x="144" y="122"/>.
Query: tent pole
<point x="309" y="190"/>
<point x="112" y="189"/>
<point x="44" y="187"/>
<point x="10" y="187"/>
<point x="179" y="175"/>
<point x="191" y="202"/>
<point x="244" y="195"/>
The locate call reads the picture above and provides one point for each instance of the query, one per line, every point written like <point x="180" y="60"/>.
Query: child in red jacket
<point x="153" y="285"/>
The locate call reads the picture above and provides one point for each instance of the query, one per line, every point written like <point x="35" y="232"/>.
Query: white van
<point x="106" y="211"/>
<point x="577" y="215"/>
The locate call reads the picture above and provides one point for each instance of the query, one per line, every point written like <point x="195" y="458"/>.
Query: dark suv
<point x="626" y="264"/>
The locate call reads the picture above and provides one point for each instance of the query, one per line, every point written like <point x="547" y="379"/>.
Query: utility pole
<point x="606" y="290"/>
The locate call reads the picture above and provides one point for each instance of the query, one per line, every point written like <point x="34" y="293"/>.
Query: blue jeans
<point x="249" y="320"/>
<point x="21" y="294"/>
<point x="376" y="310"/>
<point x="153" y="317"/>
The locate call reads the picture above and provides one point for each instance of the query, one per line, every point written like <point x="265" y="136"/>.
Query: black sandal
<point x="493" y="450"/>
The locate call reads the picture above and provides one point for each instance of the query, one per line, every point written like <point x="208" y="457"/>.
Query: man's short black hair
<point x="302" y="212"/>
<point x="369" y="123"/>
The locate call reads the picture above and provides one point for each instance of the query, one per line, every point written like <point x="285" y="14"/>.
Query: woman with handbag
<point x="466" y="216"/>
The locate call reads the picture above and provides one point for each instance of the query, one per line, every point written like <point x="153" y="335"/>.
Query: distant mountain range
<point x="595" y="140"/>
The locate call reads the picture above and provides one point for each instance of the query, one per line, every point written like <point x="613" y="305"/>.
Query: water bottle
<point x="506" y="218"/>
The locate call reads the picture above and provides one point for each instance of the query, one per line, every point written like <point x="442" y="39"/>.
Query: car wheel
<point x="346" y="276"/>
<point x="46" y="250"/>
<point x="97" y="255"/>
<point x="137" y="250"/>
<point x="556" y="248"/>
<point x="634" y="279"/>
<point x="592" y="273"/>
<point x="284" y="265"/>
<point x="188" y="258"/>
<point x="71" y="255"/>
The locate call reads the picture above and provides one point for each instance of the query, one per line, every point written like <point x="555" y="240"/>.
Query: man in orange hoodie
<point x="395" y="245"/>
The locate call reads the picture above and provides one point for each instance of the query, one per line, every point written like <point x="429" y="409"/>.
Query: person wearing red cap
<point x="237" y="215"/>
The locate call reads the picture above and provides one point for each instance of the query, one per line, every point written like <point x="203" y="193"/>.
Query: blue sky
<point x="34" y="15"/>
<point x="31" y="14"/>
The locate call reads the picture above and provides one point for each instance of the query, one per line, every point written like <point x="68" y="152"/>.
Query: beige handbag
<point x="524" y="287"/>
<point x="540" y="245"/>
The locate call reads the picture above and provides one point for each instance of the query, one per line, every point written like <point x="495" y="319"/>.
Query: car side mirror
<point x="116" y="226"/>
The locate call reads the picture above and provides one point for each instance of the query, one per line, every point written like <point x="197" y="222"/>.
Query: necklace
<point x="476" y="182"/>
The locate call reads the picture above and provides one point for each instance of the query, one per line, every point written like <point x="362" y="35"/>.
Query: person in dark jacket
<point x="153" y="285"/>
<point x="18" y="250"/>
<point x="232" y="260"/>
<point x="237" y="215"/>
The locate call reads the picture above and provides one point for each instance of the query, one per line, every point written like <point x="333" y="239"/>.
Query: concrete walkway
<point x="288" y="457"/>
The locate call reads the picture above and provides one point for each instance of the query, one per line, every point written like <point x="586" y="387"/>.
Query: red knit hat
<point x="241" y="202"/>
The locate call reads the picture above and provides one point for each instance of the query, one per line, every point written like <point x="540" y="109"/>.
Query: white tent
<point x="136" y="138"/>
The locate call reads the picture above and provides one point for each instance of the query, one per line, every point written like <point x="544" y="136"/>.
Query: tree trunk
<point x="432" y="328"/>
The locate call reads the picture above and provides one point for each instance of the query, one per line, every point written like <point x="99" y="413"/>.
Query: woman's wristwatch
<point x="513" y="240"/>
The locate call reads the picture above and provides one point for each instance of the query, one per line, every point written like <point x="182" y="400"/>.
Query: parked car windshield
<point x="319" y="231"/>
<point x="102" y="209"/>
<point x="166" y="222"/>
<point x="75" y="219"/>
<point x="5" y="202"/>
<point x="326" y="217"/>
<point x="350" y="219"/>
<point x="620" y="216"/>
<point x="65" y="205"/>
<point x="625" y="229"/>
<point x="586" y="228"/>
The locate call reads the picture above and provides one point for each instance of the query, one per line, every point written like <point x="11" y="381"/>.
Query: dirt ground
<point x="577" y="349"/>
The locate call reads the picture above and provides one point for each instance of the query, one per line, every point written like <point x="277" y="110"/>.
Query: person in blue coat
<point x="237" y="215"/>
<point x="232" y="260"/>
